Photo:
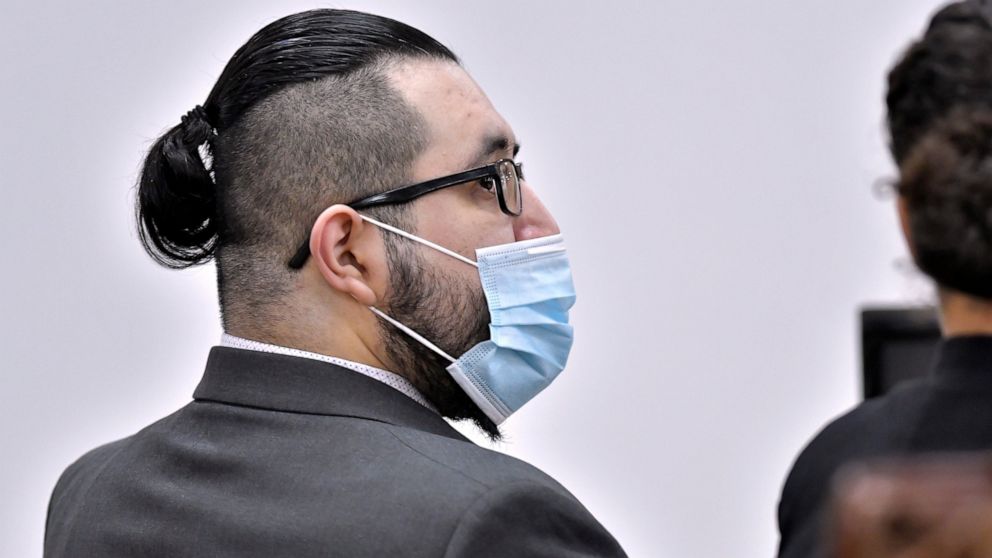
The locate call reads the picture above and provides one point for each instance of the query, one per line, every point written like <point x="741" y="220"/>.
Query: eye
<point x="489" y="184"/>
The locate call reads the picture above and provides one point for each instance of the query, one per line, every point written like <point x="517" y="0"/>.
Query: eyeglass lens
<point x="510" y="184"/>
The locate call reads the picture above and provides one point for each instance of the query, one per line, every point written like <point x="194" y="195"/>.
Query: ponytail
<point x="176" y="202"/>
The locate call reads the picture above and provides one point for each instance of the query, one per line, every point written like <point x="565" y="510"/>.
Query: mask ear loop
<point x="425" y="242"/>
<point x="415" y="238"/>
<point x="412" y="333"/>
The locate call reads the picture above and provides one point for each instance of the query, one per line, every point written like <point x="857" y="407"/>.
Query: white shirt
<point x="392" y="380"/>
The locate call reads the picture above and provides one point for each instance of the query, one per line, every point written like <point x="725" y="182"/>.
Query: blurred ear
<point x="902" y="207"/>
<point x="349" y="253"/>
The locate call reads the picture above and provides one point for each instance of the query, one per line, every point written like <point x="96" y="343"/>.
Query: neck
<point x="963" y="314"/>
<point x="348" y="331"/>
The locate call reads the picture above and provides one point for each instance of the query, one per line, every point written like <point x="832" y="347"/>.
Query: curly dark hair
<point x="940" y="120"/>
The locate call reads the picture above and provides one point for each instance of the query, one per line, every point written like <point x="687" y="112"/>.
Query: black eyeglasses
<point x="504" y="176"/>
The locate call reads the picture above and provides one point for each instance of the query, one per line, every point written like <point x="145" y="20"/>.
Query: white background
<point x="711" y="164"/>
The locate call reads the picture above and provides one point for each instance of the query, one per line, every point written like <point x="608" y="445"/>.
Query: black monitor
<point x="897" y="344"/>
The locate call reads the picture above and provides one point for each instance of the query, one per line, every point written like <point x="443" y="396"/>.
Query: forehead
<point x="461" y="120"/>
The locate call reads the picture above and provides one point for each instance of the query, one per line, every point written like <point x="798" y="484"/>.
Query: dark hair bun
<point x="946" y="182"/>
<point x="176" y="202"/>
<point x="950" y="66"/>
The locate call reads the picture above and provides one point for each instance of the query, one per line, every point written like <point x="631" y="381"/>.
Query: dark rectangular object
<point x="897" y="344"/>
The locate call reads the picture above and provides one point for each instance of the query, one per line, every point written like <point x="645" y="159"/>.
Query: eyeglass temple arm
<point x="402" y="194"/>
<point x="409" y="193"/>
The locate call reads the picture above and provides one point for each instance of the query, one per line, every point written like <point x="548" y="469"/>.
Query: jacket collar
<point x="287" y="383"/>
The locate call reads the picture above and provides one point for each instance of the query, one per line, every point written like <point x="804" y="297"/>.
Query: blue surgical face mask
<point x="528" y="286"/>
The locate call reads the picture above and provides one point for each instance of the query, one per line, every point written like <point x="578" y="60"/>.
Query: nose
<point x="535" y="221"/>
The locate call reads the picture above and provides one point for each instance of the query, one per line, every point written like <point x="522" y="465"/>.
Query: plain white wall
<point x="711" y="166"/>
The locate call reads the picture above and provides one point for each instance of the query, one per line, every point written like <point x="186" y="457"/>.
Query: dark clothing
<point x="948" y="411"/>
<point x="287" y="456"/>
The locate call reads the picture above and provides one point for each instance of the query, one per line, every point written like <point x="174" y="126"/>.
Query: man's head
<point x="317" y="110"/>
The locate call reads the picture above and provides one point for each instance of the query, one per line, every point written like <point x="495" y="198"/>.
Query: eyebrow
<point x="491" y="146"/>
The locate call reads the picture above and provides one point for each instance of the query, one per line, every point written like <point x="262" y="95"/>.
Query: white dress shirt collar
<point x="392" y="380"/>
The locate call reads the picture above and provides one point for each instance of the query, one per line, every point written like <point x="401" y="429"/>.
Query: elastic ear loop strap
<point x="412" y="333"/>
<point x="415" y="238"/>
<point x="442" y="249"/>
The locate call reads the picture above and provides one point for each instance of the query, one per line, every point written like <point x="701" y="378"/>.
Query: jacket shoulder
<point x="873" y="428"/>
<point x="505" y="506"/>
<point x="472" y="464"/>
<point x="84" y="470"/>
<point x="70" y="493"/>
<point x="525" y="519"/>
<point x="71" y="489"/>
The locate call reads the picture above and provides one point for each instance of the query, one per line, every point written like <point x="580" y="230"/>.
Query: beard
<point x="446" y="311"/>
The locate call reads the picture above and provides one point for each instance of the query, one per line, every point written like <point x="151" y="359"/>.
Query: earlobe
<point x="345" y="252"/>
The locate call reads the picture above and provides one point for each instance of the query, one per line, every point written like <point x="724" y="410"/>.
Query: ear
<point x="349" y="254"/>
<point x="902" y="207"/>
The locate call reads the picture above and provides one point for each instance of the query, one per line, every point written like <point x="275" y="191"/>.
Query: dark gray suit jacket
<point x="286" y="456"/>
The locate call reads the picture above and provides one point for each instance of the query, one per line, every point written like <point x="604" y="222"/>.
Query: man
<point x="381" y="265"/>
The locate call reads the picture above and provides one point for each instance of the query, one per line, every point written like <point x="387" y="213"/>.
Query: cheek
<point x="494" y="238"/>
<point x="457" y="221"/>
<point x="457" y="275"/>
<point x="482" y="232"/>
<point x="498" y="229"/>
